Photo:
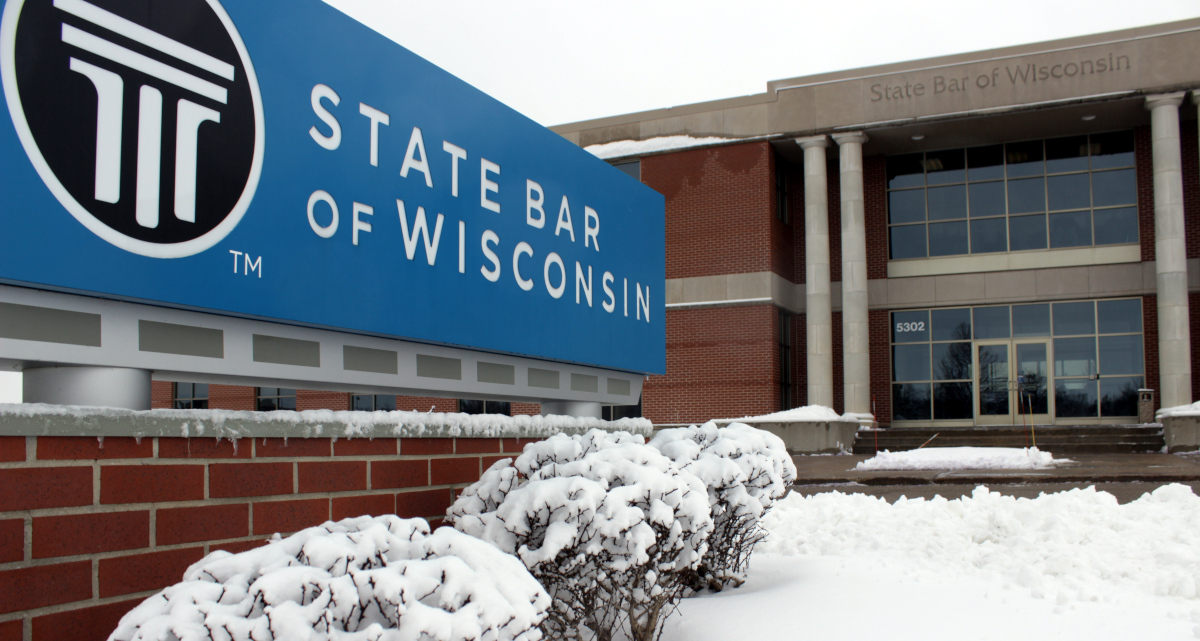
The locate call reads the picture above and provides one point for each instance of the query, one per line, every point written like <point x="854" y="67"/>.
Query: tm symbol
<point x="247" y="265"/>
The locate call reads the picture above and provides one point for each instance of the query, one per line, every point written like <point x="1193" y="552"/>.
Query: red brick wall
<point x="1191" y="185"/>
<point x="424" y="403"/>
<point x="1143" y="155"/>
<point x="783" y="241"/>
<point x="526" y="409"/>
<point x="879" y="330"/>
<point x="89" y="529"/>
<point x="721" y="363"/>
<point x="718" y="208"/>
<point x="162" y="395"/>
<point x="1193" y="312"/>
<point x="839" y="370"/>
<point x="799" y="360"/>
<point x="1150" y="344"/>
<point x="875" y="214"/>
<point x="231" y="397"/>
<point x="313" y="400"/>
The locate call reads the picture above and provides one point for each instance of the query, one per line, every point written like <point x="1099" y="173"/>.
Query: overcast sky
<point x="560" y="61"/>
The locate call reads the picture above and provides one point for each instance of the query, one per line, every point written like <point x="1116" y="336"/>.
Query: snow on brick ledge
<point x="1179" y="410"/>
<point x="34" y="419"/>
<point x="806" y="414"/>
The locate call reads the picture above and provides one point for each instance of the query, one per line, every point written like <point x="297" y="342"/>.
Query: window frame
<point x="192" y="400"/>
<point x="1006" y="179"/>
<point x="259" y="398"/>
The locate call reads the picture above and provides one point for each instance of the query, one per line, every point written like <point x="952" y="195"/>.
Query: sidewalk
<point x="1127" y="476"/>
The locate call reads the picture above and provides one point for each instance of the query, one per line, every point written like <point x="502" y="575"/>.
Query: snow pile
<point x="363" y="579"/>
<point x="309" y="423"/>
<point x="1179" y="410"/>
<point x="621" y="148"/>
<point x="1075" y="546"/>
<point x="745" y="470"/>
<point x="806" y="414"/>
<point x="608" y="525"/>
<point x="962" y="458"/>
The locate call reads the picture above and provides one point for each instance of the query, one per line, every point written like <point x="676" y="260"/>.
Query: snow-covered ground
<point x="962" y="458"/>
<point x="1072" y="565"/>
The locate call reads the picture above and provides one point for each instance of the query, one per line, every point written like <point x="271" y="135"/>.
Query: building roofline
<point x="923" y="64"/>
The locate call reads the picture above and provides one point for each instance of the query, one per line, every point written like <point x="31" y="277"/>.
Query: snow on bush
<point x="376" y="579"/>
<point x="608" y="525"/>
<point x="745" y="470"/>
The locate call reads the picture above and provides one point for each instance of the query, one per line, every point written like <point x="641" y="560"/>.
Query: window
<point x="615" y="412"/>
<point x="781" y="191"/>
<point x="785" y="360"/>
<point x="633" y="168"/>
<point x="1078" y="191"/>
<point x="373" y="402"/>
<point x="467" y="406"/>
<point x="275" y="398"/>
<point x="190" y="396"/>
<point x="1098" y="361"/>
<point x="931" y="365"/>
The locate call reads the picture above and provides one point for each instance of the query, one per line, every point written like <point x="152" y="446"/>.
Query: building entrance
<point x="1013" y="383"/>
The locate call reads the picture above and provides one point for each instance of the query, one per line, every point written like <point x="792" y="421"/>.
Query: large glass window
<point x="1077" y="191"/>
<point x="190" y="396"/>
<point x="931" y="365"/>
<point x="275" y="398"/>
<point x="373" y="402"/>
<point x="1098" y="358"/>
<point x="470" y="406"/>
<point x="1092" y="349"/>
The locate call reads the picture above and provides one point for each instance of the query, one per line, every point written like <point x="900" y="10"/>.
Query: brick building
<point x="973" y="239"/>
<point x="1000" y="234"/>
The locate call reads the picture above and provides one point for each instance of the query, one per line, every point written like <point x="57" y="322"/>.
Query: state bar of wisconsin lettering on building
<point x="978" y="239"/>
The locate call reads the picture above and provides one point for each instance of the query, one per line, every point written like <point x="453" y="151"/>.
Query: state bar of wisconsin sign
<point x="277" y="159"/>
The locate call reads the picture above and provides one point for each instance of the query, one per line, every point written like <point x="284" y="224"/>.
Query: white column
<point x="856" y="343"/>
<point x="818" y="311"/>
<point x="1170" y="252"/>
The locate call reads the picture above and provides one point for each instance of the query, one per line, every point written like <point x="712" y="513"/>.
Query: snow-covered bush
<point x="361" y="579"/>
<point x="608" y="525"/>
<point x="745" y="470"/>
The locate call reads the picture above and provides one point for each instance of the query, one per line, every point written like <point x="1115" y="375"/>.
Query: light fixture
<point x="1089" y="118"/>
<point x="919" y="137"/>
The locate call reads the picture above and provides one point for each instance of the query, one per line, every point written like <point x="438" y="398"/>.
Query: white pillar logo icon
<point x="132" y="68"/>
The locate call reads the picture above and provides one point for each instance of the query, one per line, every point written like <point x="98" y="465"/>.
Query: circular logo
<point x="144" y="118"/>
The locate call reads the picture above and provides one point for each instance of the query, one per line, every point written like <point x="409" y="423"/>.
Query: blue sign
<point x="276" y="159"/>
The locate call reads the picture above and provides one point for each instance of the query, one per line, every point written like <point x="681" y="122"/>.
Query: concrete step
<point x="1056" y="439"/>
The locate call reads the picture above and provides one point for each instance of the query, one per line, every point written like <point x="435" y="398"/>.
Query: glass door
<point x="1032" y="396"/>
<point x="994" y="401"/>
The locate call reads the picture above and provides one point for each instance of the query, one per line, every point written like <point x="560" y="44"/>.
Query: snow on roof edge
<point x="622" y="148"/>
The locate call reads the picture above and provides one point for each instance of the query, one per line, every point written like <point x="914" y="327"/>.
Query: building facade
<point x="978" y="239"/>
